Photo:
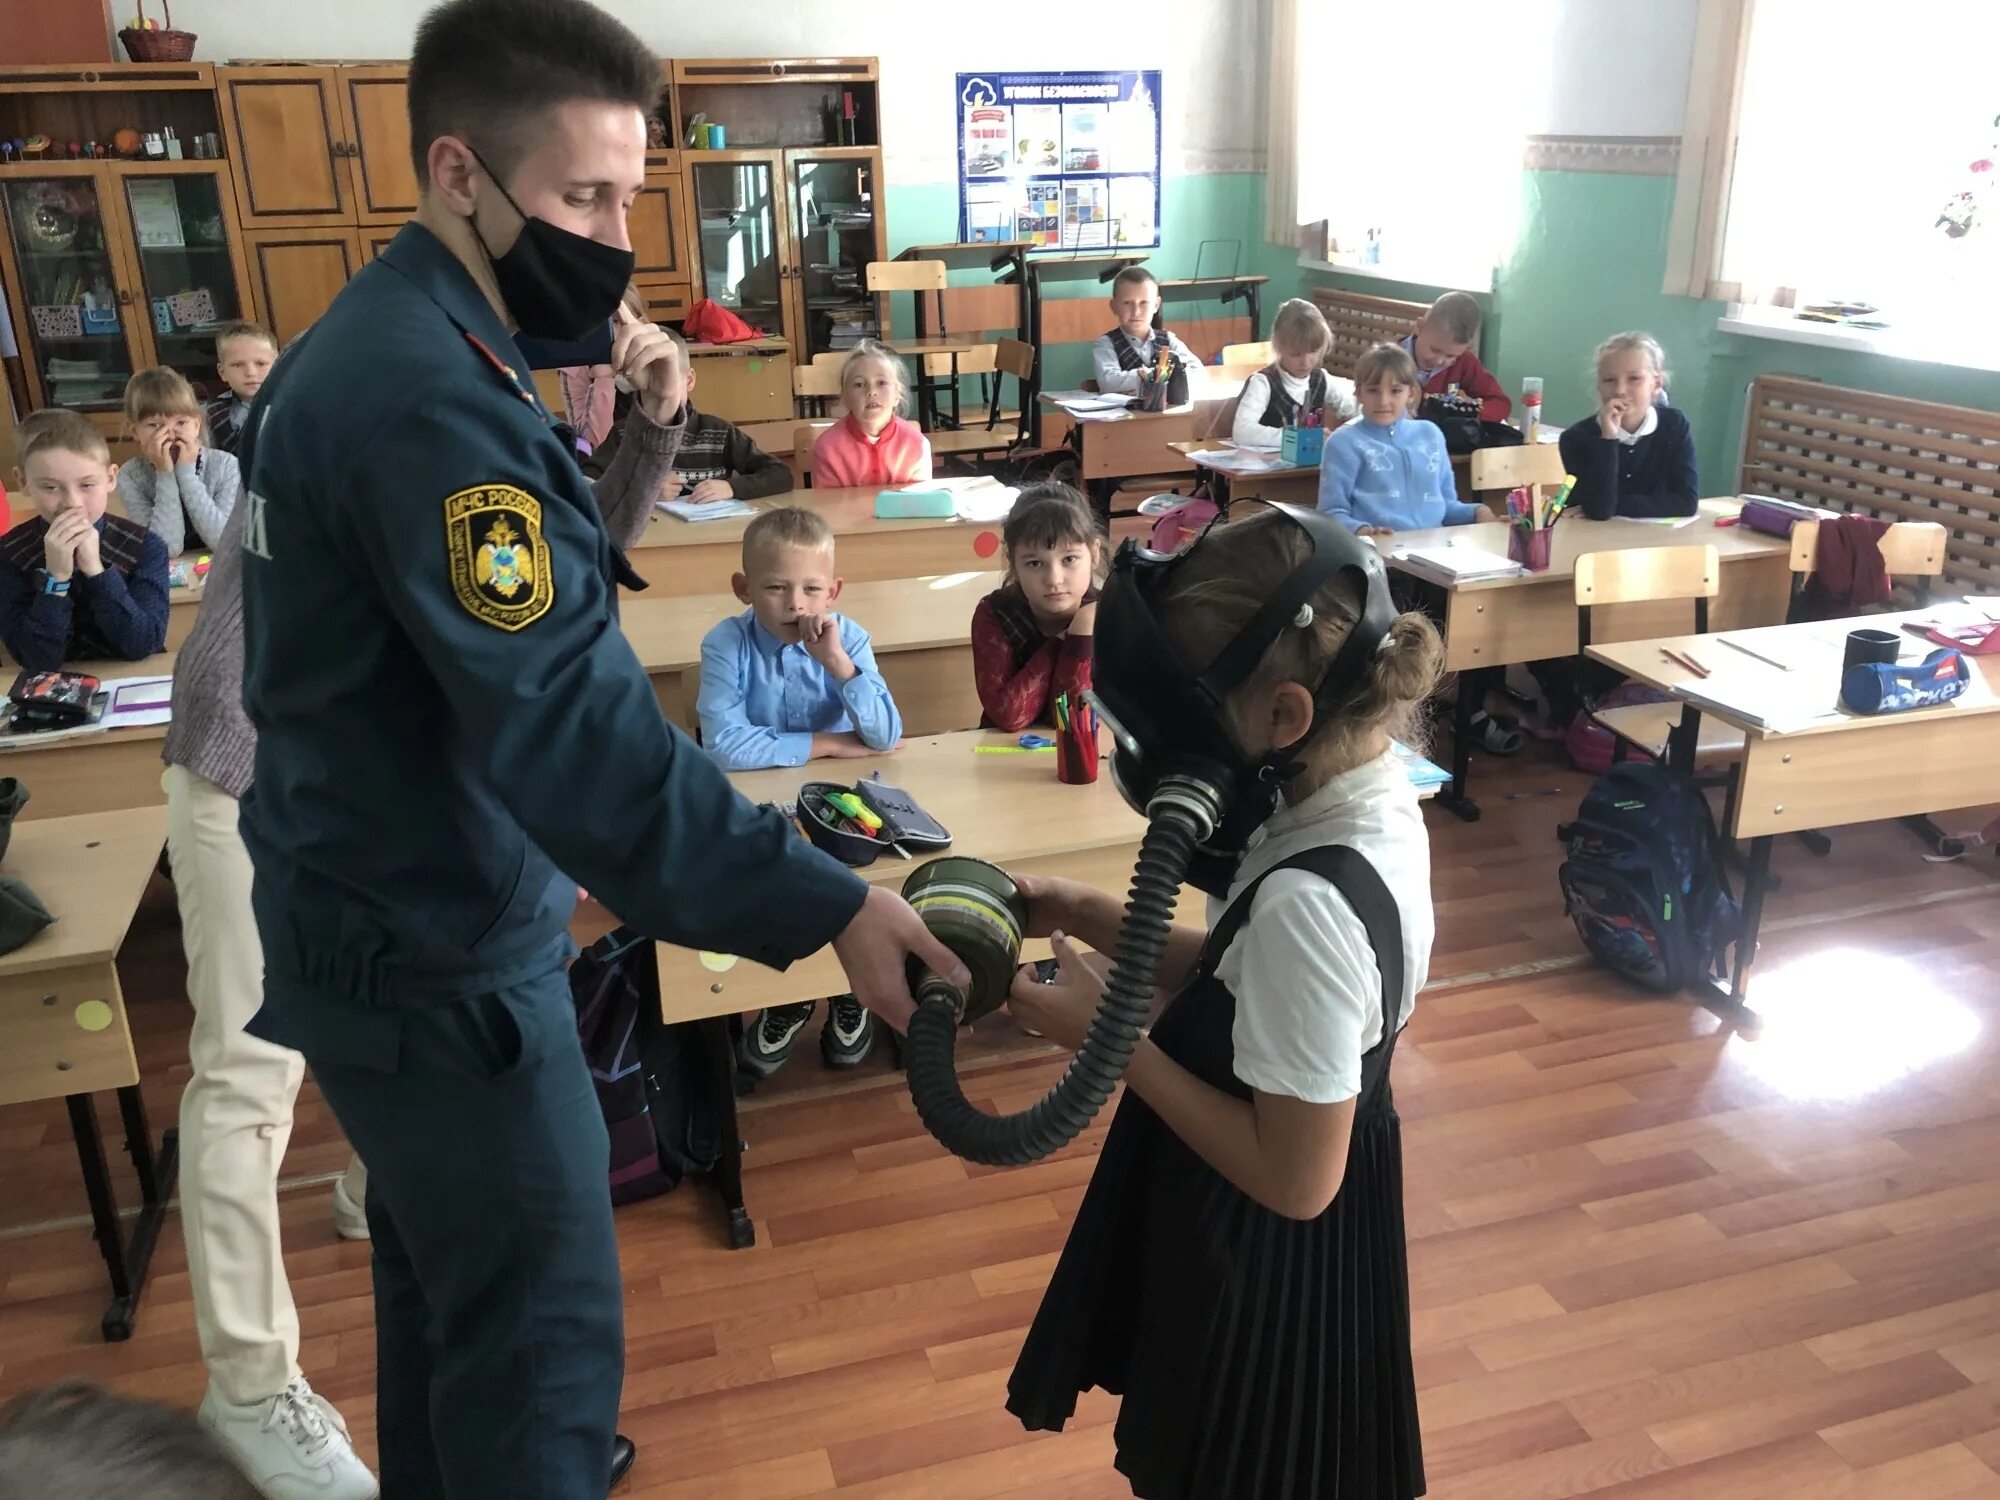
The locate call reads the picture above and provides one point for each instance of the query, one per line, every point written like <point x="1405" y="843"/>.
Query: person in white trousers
<point x="236" y="1115"/>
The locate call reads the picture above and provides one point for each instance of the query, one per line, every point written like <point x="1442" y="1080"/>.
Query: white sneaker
<point x="350" y="1219"/>
<point x="293" y="1446"/>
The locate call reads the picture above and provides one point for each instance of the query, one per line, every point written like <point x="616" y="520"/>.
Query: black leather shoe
<point x="623" y="1452"/>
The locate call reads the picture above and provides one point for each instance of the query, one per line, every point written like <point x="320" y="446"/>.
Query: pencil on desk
<point x="1682" y="659"/>
<point x="1769" y="661"/>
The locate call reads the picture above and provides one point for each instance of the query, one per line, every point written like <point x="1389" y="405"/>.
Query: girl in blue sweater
<point x="1387" y="470"/>
<point x="1635" y="457"/>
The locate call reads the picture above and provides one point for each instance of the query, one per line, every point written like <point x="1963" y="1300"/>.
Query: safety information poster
<point x="1065" y="161"/>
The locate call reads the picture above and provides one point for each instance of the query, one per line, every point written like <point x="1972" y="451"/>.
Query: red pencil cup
<point x="1076" y="750"/>
<point x="1530" y="548"/>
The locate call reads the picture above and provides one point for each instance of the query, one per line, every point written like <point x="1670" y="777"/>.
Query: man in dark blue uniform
<point x="453" y="733"/>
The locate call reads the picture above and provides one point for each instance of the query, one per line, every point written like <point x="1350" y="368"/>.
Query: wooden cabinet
<point x="296" y="273"/>
<point x="659" y="225"/>
<point x="375" y="115"/>
<point x="112" y="267"/>
<point x="319" y="147"/>
<point x="283" y="133"/>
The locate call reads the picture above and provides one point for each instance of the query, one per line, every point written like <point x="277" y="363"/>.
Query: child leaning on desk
<point x="1441" y="346"/>
<point x="75" y="582"/>
<point x="1295" y="381"/>
<point x="1389" y="471"/>
<point x="1635" y="456"/>
<point x="1031" y="637"/>
<point x="873" y="444"/>
<point x="718" y="461"/>
<point x="1131" y="350"/>
<point x="785" y="682"/>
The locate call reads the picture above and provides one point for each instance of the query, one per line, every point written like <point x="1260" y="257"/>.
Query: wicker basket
<point x="144" y="45"/>
<point x="157" y="46"/>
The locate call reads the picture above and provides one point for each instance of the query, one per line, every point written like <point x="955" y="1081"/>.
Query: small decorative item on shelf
<point x="128" y="142"/>
<point x="35" y="146"/>
<point x="60" y="322"/>
<point x="197" y="306"/>
<point x="100" y="320"/>
<point x="146" y="41"/>
<point x="163" y="315"/>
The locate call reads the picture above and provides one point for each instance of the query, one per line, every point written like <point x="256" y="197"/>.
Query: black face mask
<point x="558" y="285"/>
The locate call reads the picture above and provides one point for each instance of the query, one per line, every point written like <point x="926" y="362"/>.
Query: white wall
<point x="1617" y="67"/>
<point x="1211" y="52"/>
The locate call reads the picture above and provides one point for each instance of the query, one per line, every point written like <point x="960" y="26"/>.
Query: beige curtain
<point x="1281" y="126"/>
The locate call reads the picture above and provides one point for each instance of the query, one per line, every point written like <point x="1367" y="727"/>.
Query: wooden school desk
<point x="1142" y="442"/>
<point x="1808" y="762"/>
<point x="921" y="629"/>
<point x="1504" y="622"/>
<point x="1291" y="485"/>
<point x="746" y="382"/>
<point x="1063" y="320"/>
<point x="63" y="1030"/>
<point x="119" y="768"/>
<point x="698" y="557"/>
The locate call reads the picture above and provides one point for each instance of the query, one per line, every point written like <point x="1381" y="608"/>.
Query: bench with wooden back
<point x="1885" y="456"/>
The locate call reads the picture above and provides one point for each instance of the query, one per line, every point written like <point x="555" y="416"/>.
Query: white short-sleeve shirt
<point x="1308" y="990"/>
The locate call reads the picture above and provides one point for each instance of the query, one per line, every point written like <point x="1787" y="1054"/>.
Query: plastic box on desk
<point x="906" y="505"/>
<point x="1302" y="447"/>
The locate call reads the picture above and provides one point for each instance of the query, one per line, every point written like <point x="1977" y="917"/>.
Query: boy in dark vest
<point x="716" y="462"/>
<point x="1132" y="349"/>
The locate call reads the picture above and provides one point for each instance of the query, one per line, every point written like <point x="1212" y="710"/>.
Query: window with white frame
<point x="1407" y="182"/>
<point x="1856" y="161"/>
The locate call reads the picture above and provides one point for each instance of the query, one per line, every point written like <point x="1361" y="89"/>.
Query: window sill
<point x="1407" y="275"/>
<point x="1778" y="324"/>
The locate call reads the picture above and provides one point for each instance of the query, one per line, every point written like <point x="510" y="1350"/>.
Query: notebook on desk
<point x="1449" y="565"/>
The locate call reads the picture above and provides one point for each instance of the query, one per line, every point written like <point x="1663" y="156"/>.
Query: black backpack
<point x="659" y="1092"/>
<point x="1642" y="881"/>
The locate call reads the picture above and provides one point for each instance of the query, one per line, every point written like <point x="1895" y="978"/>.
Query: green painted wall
<point x="1219" y="206"/>
<point x="1590" y="261"/>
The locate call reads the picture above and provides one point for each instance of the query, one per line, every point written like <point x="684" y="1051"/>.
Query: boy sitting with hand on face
<point x="717" y="461"/>
<point x="76" y="582"/>
<point x="785" y="682"/>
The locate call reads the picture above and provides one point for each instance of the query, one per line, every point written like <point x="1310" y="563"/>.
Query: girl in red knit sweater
<point x="871" y="445"/>
<point x="1031" y="636"/>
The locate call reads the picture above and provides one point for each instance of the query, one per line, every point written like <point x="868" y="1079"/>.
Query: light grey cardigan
<point x="198" y="496"/>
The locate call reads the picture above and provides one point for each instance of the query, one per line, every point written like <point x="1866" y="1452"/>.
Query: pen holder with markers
<point x="1076" y="741"/>
<point x="1530" y="548"/>
<point x="1531" y="524"/>
<point x="1302" y="447"/>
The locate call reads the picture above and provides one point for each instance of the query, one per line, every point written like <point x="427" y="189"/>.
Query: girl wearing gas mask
<point x="1237" y="1271"/>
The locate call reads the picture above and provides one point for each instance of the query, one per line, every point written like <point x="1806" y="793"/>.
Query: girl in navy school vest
<point x="1296" y="380"/>
<point x="1238" y="1273"/>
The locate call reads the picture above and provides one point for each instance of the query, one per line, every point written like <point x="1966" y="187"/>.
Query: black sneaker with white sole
<point x="849" y="1033"/>
<point x="768" y="1044"/>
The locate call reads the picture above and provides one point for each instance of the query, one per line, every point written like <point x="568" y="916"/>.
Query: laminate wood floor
<point x="1652" y="1255"/>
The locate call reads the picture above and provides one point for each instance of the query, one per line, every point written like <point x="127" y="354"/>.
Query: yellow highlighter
<point x="856" y="809"/>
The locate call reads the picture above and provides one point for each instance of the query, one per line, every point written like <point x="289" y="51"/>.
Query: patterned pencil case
<point x="837" y="819"/>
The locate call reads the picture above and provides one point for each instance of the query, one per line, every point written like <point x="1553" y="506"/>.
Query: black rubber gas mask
<point x="1174" y="739"/>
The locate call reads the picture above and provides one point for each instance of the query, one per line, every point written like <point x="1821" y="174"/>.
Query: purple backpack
<point x="1592" y="748"/>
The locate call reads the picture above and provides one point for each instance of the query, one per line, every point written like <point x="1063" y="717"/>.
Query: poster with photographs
<point x="1065" y="161"/>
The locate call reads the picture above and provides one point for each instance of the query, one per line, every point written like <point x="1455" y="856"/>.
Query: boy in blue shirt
<point x="785" y="682"/>
<point x="1387" y="470"/>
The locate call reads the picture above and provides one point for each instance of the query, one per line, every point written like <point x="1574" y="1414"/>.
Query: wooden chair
<point x="816" y="385"/>
<point x="1650" y="575"/>
<point x="920" y="278"/>
<point x="1503" y="469"/>
<point x="802" y="451"/>
<point x="1910" y="549"/>
<point x="1010" y="357"/>
<point x="1241" y="361"/>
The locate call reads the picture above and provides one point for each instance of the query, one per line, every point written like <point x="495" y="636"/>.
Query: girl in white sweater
<point x="1294" y="382"/>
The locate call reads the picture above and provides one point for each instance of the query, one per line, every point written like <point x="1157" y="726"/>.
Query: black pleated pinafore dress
<point x="1258" y="1357"/>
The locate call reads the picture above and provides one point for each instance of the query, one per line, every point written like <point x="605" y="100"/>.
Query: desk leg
<point x="127" y="1260"/>
<point x="1454" y="797"/>
<point x="1755" y="883"/>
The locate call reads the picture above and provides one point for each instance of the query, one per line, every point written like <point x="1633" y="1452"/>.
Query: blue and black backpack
<point x="1642" y="880"/>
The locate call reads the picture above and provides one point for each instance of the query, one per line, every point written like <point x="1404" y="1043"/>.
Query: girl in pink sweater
<point x="872" y="445"/>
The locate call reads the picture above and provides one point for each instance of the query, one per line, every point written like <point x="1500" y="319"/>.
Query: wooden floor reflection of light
<point x="1841" y="1023"/>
